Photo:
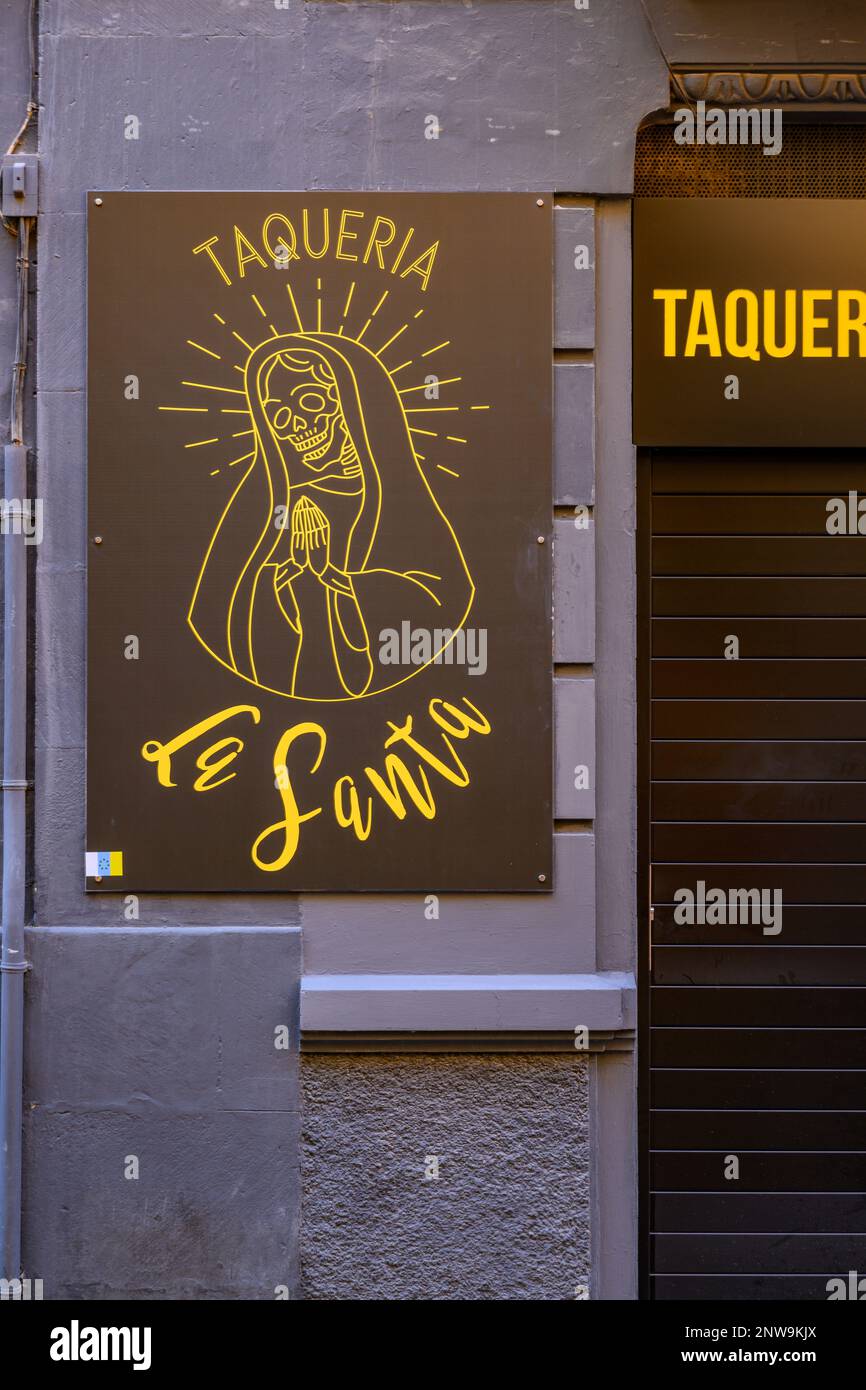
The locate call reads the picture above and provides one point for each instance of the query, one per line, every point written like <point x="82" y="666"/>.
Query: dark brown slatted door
<point x="757" y="779"/>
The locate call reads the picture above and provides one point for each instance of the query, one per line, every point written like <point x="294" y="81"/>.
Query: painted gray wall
<point x="14" y="85"/>
<point x="773" y="32"/>
<point x="235" y="94"/>
<point x="14" y="93"/>
<point x="614" y="1092"/>
<point x="175" y="1051"/>
<point x="508" y="1216"/>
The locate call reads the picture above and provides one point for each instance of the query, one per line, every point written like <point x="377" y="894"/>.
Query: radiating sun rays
<point x="350" y="314"/>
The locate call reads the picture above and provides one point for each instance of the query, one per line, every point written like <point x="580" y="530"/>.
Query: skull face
<point x="303" y="408"/>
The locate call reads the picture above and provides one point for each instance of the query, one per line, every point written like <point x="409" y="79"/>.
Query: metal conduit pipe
<point x="12" y="958"/>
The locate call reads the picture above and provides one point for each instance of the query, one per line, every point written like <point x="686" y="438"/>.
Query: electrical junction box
<point x="20" y="185"/>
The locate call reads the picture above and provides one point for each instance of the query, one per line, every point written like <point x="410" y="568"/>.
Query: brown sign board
<point x="749" y="322"/>
<point x="319" y="554"/>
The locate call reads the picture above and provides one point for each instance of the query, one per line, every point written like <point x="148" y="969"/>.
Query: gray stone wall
<point x="161" y="1135"/>
<point x="123" y="1054"/>
<point x="506" y="1218"/>
<point x="14" y="90"/>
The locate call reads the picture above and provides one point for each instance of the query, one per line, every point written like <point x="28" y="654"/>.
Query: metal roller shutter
<point x="754" y="777"/>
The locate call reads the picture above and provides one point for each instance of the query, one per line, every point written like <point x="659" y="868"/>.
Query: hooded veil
<point x="394" y="556"/>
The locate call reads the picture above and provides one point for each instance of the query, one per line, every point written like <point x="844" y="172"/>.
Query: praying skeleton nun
<point x="332" y="534"/>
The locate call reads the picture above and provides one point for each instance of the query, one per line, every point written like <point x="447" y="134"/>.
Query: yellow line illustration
<point x="291" y="295"/>
<point x="392" y="339"/>
<point x="297" y="608"/>
<point x="203" y="386"/>
<point x="436" y="348"/>
<point x="204" y="349"/>
<point x="447" y="381"/>
<point x="198" y="443"/>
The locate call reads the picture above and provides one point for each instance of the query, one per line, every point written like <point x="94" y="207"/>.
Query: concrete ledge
<point x="467" y="1003"/>
<point x="396" y="1043"/>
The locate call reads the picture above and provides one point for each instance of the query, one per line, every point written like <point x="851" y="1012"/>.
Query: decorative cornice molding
<point x="605" y="1040"/>
<point x="727" y="86"/>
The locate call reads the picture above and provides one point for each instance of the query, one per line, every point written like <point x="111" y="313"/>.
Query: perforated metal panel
<point x="815" y="161"/>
